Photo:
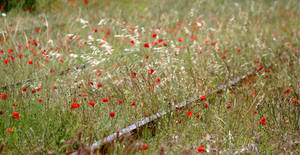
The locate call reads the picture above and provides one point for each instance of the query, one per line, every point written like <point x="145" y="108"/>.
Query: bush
<point x="7" y="5"/>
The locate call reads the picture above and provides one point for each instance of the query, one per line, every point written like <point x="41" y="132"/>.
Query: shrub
<point x="7" y="5"/>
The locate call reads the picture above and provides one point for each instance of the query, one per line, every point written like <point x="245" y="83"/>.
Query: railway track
<point x="133" y="128"/>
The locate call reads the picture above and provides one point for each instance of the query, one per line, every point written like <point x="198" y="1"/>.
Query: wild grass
<point x="194" y="46"/>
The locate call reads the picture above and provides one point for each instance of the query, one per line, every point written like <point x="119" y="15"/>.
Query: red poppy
<point x="146" y="45"/>
<point x="86" y="1"/>
<point x="154" y="35"/>
<point x="9" y="130"/>
<point x="1" y="112"/>
<point x="254" y="112"/>
<point x="112" y="114"/>
<point x="259" y="68"/>
<point x="157" y="80"/>
<point x="30" y="62"/>
<point x="205" y="105"/>
<point x="133" y="103"/>
<point x="203" y="97"/>
<point x="132" y="42"/>
<point x="263" y="121"/>
<point x="105" y="100"/>
<point x="3" y="97"/>
<point x="201" y="149"/>
<point x="15" y="115"/>
<point x="197" y="115"/>
<point x="90" y="83"/>
<point x="189" y="113"/>
<point x="133" y="75"/>
<point x="151" y="71"/>
<point x="24" y="89"/>
<point x="74" y="106"/>
<point x="99" y="85"/>
<point x="92" y="104"/>
<point x="144" y="147"/>
<point x="287" y="91"/>
<point x="40" y="100"/>
<point x="228" y="106"/>
<point x="120" y="102"/>
<point x="295" y="100"/>
<point x="180" y="40"/>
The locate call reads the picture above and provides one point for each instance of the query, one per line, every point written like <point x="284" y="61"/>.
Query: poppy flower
<point x="201" y="149"/>
<point x="154" y="35"/>
<point x="74" y="106"/>
<point x="259" y="68"/>
<point x="120" y="102"/>
<point x="205" y="105"/>
<point x="3" y="96"/>
<point x="24" y="89"/>
<point x="1" y="112"/>
<point x="144" y="147"/>
<point x="112" y="114"/>
<point x="197" y="115"/>
<point x="228" y="106"/>
<point x="189" y="113"/>
<point x="295" y="100"/>
<point x="151" y="71"/>
<point x="287" y="91"/>
<point x="133" y="75"/>
<point x="157" y="80"/>
<point x="15" y="115"/>
<point x="146" y="45"/>
<point x="203" y="97"/>
<point x="263" y="121"/>
<point x="30" y="62"/>
<point x="180" y="40"/>
<point x="40" y="100"/>
<point x="92" y="104"/>
<point x="105" y="100"/>
<point x="99" y="85"/>
<point x="9" y="130"/>
<point x="133" y="103"/>
<point x="254" y="112"/>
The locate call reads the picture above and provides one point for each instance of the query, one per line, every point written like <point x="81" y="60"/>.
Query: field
<point x="78" y="71"/>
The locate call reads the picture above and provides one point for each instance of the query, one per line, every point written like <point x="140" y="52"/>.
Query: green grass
<point x="231" y="38"/>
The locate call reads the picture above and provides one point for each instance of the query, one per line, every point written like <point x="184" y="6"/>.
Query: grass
<point x="194" y="46"/>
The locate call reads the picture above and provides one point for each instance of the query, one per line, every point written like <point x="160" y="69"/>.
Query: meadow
<point x="95" y="67"/>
